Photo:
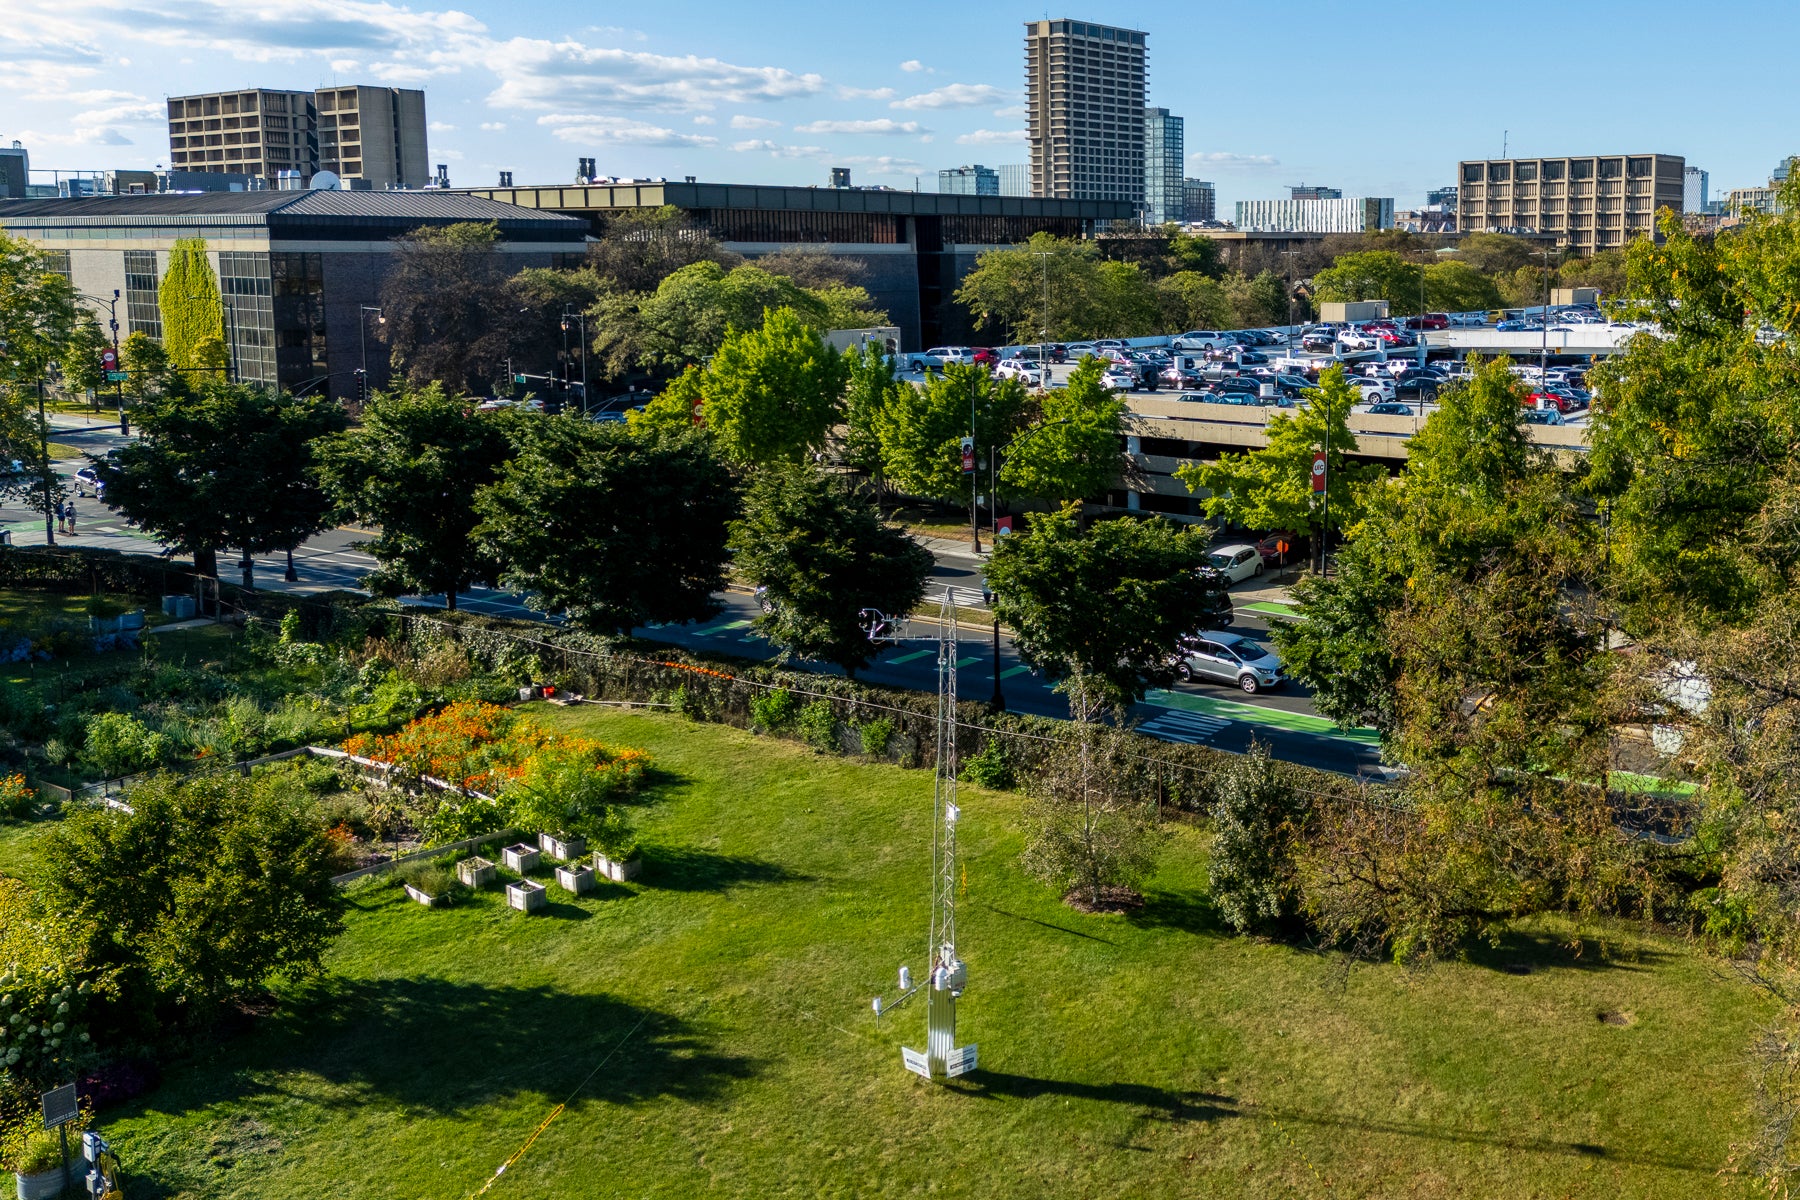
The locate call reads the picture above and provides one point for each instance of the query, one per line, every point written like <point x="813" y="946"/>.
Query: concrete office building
<point x="15" y="171"/>
<point x="373" y="135"/>
<point x="1015" y="179"/>
<point x="975" y="180"/>
<point x="295" y="268"/>
<point x="1165" y="156"/>
<point x="915" y="247"/>
<point x="1199" y="200"/>
<point x="1084" y="104"/>
<point x="1693" y="190"/>
<point x="1349" y="214"/>
<point x="1587" y="203"/>
<point x="257" y="131"/>
<point x="1444" y="197"/>
<point x="1303" y="192"/>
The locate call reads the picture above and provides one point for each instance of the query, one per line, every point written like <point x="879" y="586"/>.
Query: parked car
<point x="1236" y="562"/>
<point x="1513" y="327"/>
<point x="1183" y="371"/>
<point x="1396" y="337"/>
<point x="1049" y="351"/>
<point x="1251" y="357"/>
<point x="937" y="356"/>
<point x="1391" y="408"/>
<point x="1231" y="658"/>
<point x="1076" y="351"/>
<point x="982" y="356"/>
<point x="1542" y="416"/>
<point x="1197" y="340"/>
<point x="1417" y="390"/>
<point x="1109" y="343"/>
<point x="1279" y="549"/>
<point x="1358" y="341"/>
<point x="1123" y="379"/>
<point x="1563" y="400"/>
<point x="1027" y="373"/>
<point x="1429" y="321"/>
<point x="1112" y="354"/>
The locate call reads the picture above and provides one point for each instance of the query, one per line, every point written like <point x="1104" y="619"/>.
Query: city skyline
<point x="782" y="100"/>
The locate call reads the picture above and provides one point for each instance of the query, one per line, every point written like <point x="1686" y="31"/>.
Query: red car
<point x="1281" y="549"/>
<point x="1429" y="321"/>
<point x="1562" y="404"/>
<point x="984" y="357"/>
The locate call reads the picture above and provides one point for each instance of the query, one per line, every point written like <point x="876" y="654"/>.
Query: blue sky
<point x="1378" y="100"/>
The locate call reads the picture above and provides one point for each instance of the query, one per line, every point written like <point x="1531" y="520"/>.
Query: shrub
<point x="39" y="1151"/>
<point x="1090" y="838"/>
<point x="16" y="800"/>
<point x="55" y="752"/>
<point x="116" y="744"/>
<point x="818" y="726"/>
<point x="1256" y="816"/>
<point x="772" y="710"/>
<point x="991" y="768"/>
<point x="875" y="736"/>
<point x="434" y="879"/>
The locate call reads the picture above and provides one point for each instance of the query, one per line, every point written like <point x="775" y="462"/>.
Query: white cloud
<point x="494" y="126"/>
<point x="879" y="164"/>
<point x="853" y="93"/>
<point x="992" y="137"/>
<point x="592" y="127"/>
<point x="703" y="119"/>
<point x="541" y="74"/>
<point x="742" y="122"/>
<point x="765" y="146"/>
<point x="1226" y="161"/>
<point x="884" y="126"/>
<point x="441" y="127"/>
<point x="912" y="64"/>
<point x="1011" y="110"/>
<point x="956" y="95"/>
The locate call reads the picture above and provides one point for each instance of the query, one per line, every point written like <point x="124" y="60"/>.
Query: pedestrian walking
<point x="69" y="512"/>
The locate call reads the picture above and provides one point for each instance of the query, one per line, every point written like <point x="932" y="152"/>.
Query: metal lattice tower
<point x="945" y="975"/>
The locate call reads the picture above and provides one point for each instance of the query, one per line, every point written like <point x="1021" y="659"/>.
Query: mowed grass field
<point x="711" y="1032"/>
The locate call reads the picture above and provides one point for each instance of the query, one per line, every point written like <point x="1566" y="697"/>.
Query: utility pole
<point x="568" y="315"/>
<point x="968" y="464"/>
<point x="1544" y="348"/>
<point x="362" y="336"/>
<point x="44" y="445"/>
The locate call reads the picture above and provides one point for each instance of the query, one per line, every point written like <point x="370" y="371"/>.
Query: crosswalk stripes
<point x="1174" y="725"/>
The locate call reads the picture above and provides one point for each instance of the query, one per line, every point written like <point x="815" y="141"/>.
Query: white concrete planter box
<point x="49" y="1183"/>
<point x="575" y="879"/>
<point x="618" y="872"/>
<point x="557" y="847"/>
<point x="421" y="897"/>
<point x="475" y="872"/>
<point x="521" y="858"/>
<point x="528" y="693"/>
<point x="526" y="896"/>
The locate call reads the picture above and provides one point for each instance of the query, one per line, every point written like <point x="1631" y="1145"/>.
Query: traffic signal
<point x="362" y="385"/>
<point x="553" y="397"/>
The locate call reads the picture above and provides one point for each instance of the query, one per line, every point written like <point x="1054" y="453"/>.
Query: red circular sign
<point x="108" y="358"/>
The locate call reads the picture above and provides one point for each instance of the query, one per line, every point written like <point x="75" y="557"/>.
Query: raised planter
<point x="476" y="872"/>
<point x="529" y="693"/>
<point x="575" y="879"/>
<point x="44" y="1184"/>
<point x="615" y="870"/>
<point x="557" y="847"/>
<point x="526" y="896"/>
<point x="421" y="897"/>
<point x="521" y="858"/>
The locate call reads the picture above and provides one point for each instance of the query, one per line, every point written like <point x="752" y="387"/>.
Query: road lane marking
<point x="1257" y="714"/>
<point x="1178" y="726"/>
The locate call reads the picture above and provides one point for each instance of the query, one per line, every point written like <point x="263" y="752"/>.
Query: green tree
<point x="874" y="382"/>
<point x="639" y="248"/>
<point x="411" y="469"/>
<point x="1195" y="252"/>
<point x="677" y="407"/>
<point x="1496" y="253"/>
<point x="224" y="465"/>
<point x="1048" y="284"/>
<point x="1102" y="612"/>
<point x="83" y="372"/>
<point x="1257" y="816"/>
<point x="449" y="310"/>
<point x="1372" y="275"/>
<point x="230" y="885"/>
<point x="147" y="369"/>
<point x="691" y="312"/>
<point x="1608" y="270"/>
<point x="1259" y="301"/>
<point x="921" y="429"/>
<point x="1074" y="453"/>
<point x="823" y="557"/>
<point x="610" y="526"/>
<point x="1127" y="301"/>
<point x="193" y="311"/>
<point x="1270" y="489"/>
<point x="37" y="322"/>
<point x="773" y="390"/>
<point x="1455" y="286"/>
<point x="1191" y="300"/>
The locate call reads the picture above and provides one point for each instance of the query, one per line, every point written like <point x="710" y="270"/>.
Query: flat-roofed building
<point x="1347" y="214"/>
<point x="1165" y="155"/>
<point x="375" y="134"/>
<point x="1587" y="203"/>
<point x="1084" y="107"/>
<point x="1199" y="201"/>
<point x="256" y="131"/>
<point x="975" y="180"/>
<point x="295" y="268"/>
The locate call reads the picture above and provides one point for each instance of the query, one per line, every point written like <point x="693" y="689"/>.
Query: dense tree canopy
<point x="449" y="312"/>
<point x="1373" y="275"/>
<point x="921" y="429"/>
<point x="1074" y="451"/>
<point x="773" y="390"/>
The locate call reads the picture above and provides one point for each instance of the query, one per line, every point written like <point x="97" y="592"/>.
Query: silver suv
<point x="1231" y="658"/>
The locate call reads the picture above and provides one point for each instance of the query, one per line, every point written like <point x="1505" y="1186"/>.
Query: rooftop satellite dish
<point x="326" y="181"/>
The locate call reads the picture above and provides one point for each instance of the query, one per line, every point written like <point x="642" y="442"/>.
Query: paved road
<point x="1204" y="713"/>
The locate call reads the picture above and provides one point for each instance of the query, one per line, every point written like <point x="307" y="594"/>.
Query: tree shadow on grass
<point x="660" y="785"/>
<point x="1189" y="912"/>
<point x="438" y="1047"/>
<point x="685" y="869"/>
<point x="1157" y="1104"/>
<point x="1524" y="951"/>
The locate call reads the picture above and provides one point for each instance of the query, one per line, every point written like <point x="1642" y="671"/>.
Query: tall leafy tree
<point x="1455" y="286"/>
<point x="823" y="557"/>
<point x="449" y="311"/>
<point x="681" y="405"/>
<point x="1271" y="488"/>
<point x="773" y="390"/>
<point x="1048" y="284"/>
<point x="1191" y="300"/>
<point x="193" y="312"/>
<point x="1372" y="275"/>
<point x="37" y="322"/>
<point x="921" y="430"/>
<point x="1075" y="452"/>
<point x="82" y="370"/>
<point x="691" y="312"/>
<point x="224" y="465"/>
<point x="411" y="468"/>
<point x="639" y="248"/>
<point x="872" y="385"/>
<point x="610" y="526"/>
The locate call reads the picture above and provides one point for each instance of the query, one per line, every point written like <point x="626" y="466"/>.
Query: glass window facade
<point x="249" y="315"/>
<point x="298" y="283"/>
<point x="143" y="314"/>
<point x="1165" y="167"/>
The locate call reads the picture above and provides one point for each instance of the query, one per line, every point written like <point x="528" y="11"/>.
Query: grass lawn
<point x="711" y="1029"/>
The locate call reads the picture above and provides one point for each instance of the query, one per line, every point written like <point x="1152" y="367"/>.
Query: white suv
<point x="1027" y="373"/>
<point x="937" y="356"/>
<point x="1197" y="340"/>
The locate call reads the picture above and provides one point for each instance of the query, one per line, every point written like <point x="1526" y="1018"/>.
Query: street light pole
<point x="362" y="336"/>
<point x="44" y="445"/>
<point x="580" y="318"/>
<point x="974" y="517"/>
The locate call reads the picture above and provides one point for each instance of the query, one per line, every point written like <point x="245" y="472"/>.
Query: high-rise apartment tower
<point x="1084" y="106"/>
<point x="375" y="134"/>
<point x="1164" y="159"/>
